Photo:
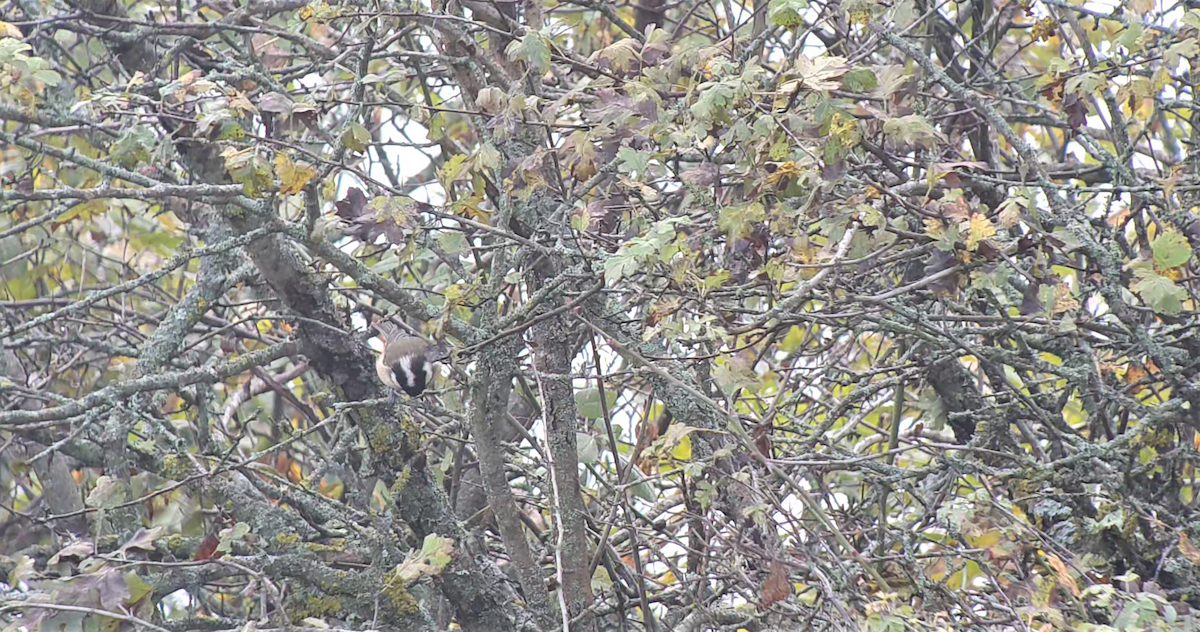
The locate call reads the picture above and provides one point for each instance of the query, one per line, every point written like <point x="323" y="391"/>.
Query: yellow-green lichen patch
<point x="336" y="545"/>
<point x="397" y="488"/>
<point x="380" y="439"/>
<point x="397" y="594"/>
<point x="287" y="538"/>
<point x="317" y="606"/>
<point x="176" y="467"/>
<point x="412" y="432"/>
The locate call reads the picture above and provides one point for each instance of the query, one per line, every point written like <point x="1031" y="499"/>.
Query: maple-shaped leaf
<point x="622" y="55"/>
<point x="533" y="49"/>
<point x="912" y="130"/>
<point x="430" y="560"/>
<point x="388" y="216"/>
<point x="1011" y="209"/>
<point x="787" y="13"/>
<point x="247" y="169"/>
<point x="1159" y="293"/>
<point x="818" y="74"/>
<point x="1171" y="249"/>
<point x="979" y="228"/>
<point x="293" y="177"/>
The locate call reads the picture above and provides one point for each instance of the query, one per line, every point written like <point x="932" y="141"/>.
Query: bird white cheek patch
<point x="410" y="378"/>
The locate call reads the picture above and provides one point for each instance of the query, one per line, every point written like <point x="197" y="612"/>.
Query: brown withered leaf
<point x="989" y="250"/>
<point x="777" y="586"/>
<point x="352" y="206"/>
<point x="1030" y="302"/>
<point x="1076" y="110"/>
<point x="762" y="439"/>
<point x="702" y="175"/>
<point x="207" y="549"/>
<point x="940" y="261"/>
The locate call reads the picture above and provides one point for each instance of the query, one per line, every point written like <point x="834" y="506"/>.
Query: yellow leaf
<point x="1188" y="549"/>
<point x="934" y="227"/>
<point x="1064" y="301"/>
<point x="980" y="228"/>
<point x="1064" y="577"/>
<point x="683" y="451"/>
<point x="984" y="540"/>
<point x="9" y="30"/>
<point x="292" y="176"/>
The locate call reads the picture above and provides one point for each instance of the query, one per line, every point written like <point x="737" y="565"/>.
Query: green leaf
<point x="48" y="77"/>
<point x="1159" y="293"/>
<point x="533" y="49"/>
<point x="1130" y="37"/>
<point x="1171" y="249"/>
<point x="619" y="265"/>
<point x="715" y="96"/>
<point x="108" y="493"/>
<point x="860" y="80"/>
<point x="787" y="13"/>
<point x="633" y="161"/>
<point x="231" y="535"/>
<point x="600" y="580"/>
<point x="586" y="448"/>
<point x="138" y="588"/>
<point x="133" y="147"/>
<point x="738" y="221"/>
<point x="437" y="549"/>
<point x="356" y="137"/>
<point x="911" y="130"/>
<point x="587" y="402"/>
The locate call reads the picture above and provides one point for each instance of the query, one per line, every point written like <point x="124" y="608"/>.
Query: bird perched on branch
<point x="403" y="364"/>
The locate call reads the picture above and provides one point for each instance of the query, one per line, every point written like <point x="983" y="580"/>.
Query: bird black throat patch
<point x="412" y="373"/>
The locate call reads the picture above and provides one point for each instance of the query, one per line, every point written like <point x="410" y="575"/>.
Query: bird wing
<point x="389" y="330"/>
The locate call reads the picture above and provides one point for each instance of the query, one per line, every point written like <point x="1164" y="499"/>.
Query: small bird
<point x="403" y="364"/>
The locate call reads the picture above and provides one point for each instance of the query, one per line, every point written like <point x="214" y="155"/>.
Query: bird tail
<point x="388" y="329"/>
